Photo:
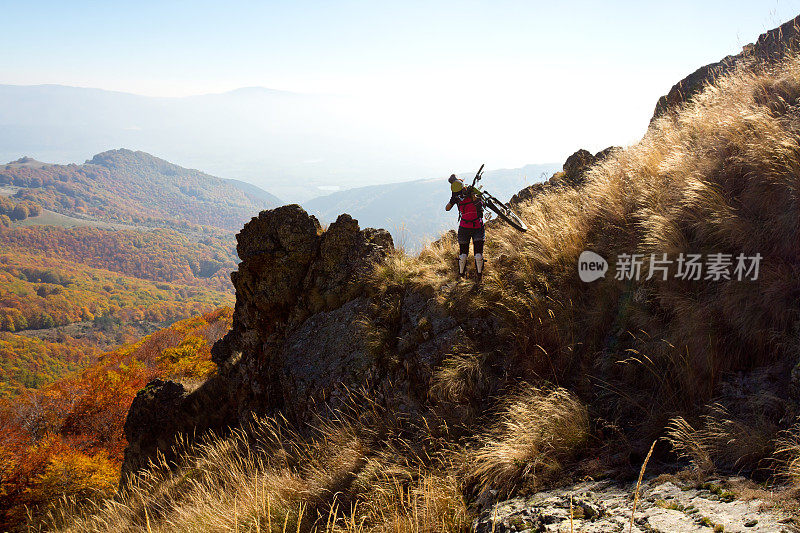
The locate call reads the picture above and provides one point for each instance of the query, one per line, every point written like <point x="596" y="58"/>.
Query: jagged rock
<point x="324" y="359"/>
<point x="165" y="408"/>
<point x="769" y="48"/>
<point x="575" y="165"/>
<point x="345" y="255"/>
<point x="298" y="343"/>
<point x="572" y="175"/>
<point x="314" y="273"/>
<point x="292" y="278"/>
<point x="291" y="268"/>
<point x="602" y="154"/>
<point x="379" y="237"/>
<point x="276" y="249"/>
<point x="151" y="413"/>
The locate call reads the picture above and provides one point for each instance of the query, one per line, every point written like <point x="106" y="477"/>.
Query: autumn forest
<point x="112" y="273"/>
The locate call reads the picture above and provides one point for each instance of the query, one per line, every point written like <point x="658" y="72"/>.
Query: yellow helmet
<point x="455" y="184"/>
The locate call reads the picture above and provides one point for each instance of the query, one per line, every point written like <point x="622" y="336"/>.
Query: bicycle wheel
<point x="505" y="212"/>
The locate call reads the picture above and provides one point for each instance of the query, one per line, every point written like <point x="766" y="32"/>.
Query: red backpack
<point x="470" y="211"/>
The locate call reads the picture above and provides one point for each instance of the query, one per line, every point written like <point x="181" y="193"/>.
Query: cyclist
<point x="470" y="216"/>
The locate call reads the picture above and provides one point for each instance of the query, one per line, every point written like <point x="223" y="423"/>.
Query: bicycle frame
<point x="502" y="210"/>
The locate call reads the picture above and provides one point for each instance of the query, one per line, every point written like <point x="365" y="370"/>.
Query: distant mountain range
<point x="413" y="211"/>
<point x="136" y="188"/>
<point x="293" y="145"/>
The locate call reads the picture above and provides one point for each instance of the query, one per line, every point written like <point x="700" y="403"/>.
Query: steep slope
<point x="413" y="211"/>
<point x="137" y="188"/>
<point x="390" y="391"/>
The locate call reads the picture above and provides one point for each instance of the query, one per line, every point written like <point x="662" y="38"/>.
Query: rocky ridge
<point x="298" y="345"/>
<point x="768" y="49"/>
<point x="572" y="175"/>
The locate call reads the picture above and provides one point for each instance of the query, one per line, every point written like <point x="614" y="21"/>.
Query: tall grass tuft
<point x="537" y="432"/>
<point x="787" y="455"/>
<point x="721" y="442"/>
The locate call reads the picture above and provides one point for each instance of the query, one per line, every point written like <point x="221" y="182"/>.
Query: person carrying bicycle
<point x="470" y="216"/>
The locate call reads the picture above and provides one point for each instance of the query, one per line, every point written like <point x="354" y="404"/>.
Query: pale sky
<point x="539" y="79"/>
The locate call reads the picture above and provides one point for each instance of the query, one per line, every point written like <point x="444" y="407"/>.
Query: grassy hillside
<point x="66" y="439"/>
<point x="601" y="370"/>
<point x="137" y="188"/>
<point x="705" y="363"/>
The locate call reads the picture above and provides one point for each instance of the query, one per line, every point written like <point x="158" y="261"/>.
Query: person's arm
<point x="453" y="201"/>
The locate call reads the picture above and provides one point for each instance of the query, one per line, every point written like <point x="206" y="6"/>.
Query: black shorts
<point x="476" y="234"/>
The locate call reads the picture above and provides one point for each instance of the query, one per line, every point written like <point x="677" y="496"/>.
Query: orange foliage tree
<point x="67" y="439"/>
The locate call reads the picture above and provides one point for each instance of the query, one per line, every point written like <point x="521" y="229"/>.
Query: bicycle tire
<point x="505" y="212"/>
<point x="477" y="177"/>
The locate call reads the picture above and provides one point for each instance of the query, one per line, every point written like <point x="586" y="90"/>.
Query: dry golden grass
<point x="639" y="483"/>
<point x="721" y="176"/>
<point x="537" y="432"/>
<point x="721" y="442"/>
<point x="460" y="379"/>
<point x="787" y="454"/>
<point x="269" y="478"/>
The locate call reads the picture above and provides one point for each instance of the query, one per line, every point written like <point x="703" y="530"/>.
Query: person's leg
<point x="463" y="250"/>
<point x="477" y="244"/>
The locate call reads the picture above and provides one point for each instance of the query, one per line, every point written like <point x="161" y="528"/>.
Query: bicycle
<point x="502" y="210"/>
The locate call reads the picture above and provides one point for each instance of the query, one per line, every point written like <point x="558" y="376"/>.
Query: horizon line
<point x="169" y="97"/>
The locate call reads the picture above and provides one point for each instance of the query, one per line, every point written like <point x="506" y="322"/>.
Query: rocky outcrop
<point x="153" y="410"/>
<point x="293" y="345"/>
<point x="769" y="48"/>
<point x="296" y="279"/>
<point x="164" y="409"/>
<point x="301" y="337"/>
<point x="663" y="506"/>
<point x="572" y="175"/>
